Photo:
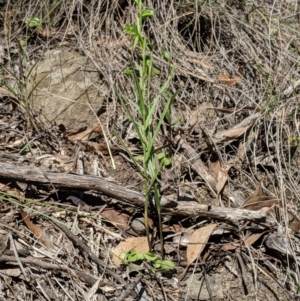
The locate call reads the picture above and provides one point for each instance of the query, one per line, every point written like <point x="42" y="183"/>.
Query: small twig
<point x="253" y="265"/>
<point x="162" y="288"/>
<point x="52" y="266"/>
<point x="207" y="284"/>
<point x="62" y="287"/>
<point x="85" y="249"/>
<point x="243" y="270"/>
<point x="130" y="288"/>
<point x="105" y="137"/>
<point x="16" y="255"/>
<point x="35" y="262"/>
<point x="211" y="143"/>
<point x="42" y="289"/>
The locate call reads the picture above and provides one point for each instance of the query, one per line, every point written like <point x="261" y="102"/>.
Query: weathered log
<point x="37" y="176"/>
<point x="194" y="209"/>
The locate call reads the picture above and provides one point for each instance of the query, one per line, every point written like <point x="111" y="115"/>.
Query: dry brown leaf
<point x="295" y="226"/>
<point x="117" y="218"/>
<point x="202" y="63"/>
<point x="231" y="246"/>
<point x="3" y="242"/>
<point x="10" y="191"/>
<point x="257" y="201"/>
<point x="107" y="288"/>
<point x="261" y="202"/>
<point x="84" y="135"/>
<point x="250" y="240"/>
<point x="13" y="272"/>
<point x="256" y="193"/>
<point x="173" y="228"/>
<point x="37" y="230"/>
<point x="222" y="178"/>
<point x="231" y="134"/>
<point x="229" y="80"/>
<point x="241" y="152"/>
<point x="294" y="222"/>
<point x="215" y="167"/>
<point x="140" y="244"/>
<point x="198" y="242"/>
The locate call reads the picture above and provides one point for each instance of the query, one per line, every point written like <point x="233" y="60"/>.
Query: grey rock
<point x="138" y="225"/>
<point x="66" y="81"/>
<point x="197" y="283"/>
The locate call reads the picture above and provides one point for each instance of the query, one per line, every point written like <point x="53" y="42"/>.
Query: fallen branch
<point x="194" y="209"/>
<point x="84" y="182"/>
<point x="52" y="180"/>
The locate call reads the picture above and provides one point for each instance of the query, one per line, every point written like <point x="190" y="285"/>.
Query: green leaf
<point x="167" y="265"/>
<point x="123" y="256"/>
<point x="148" y="12"/>
<point x="26" y="149"/>
<point x="139" y="158"/>
<point x="128" y="71"/>
<point x="135" y="41"/>
<point x="167" y="161"/>
<point x="150" y="256"/>
<point x="33" y="22"/>
<point x="155" y="71"/>
<point x="133" y="256"/>
<point x="131" y="30"/>
<point x="161" y="155"/>
<point x="157" y="264"/>
<point x="166" y="55"/>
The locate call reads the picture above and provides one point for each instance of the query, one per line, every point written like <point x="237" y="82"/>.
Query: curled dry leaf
<point x="140" y="244"/>
<point x="78" y="202"/>
<point x="37" y="230"/>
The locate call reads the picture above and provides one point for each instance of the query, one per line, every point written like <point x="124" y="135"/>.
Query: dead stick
<point x="78" y="182"/>
<point x="36" y="176"/>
